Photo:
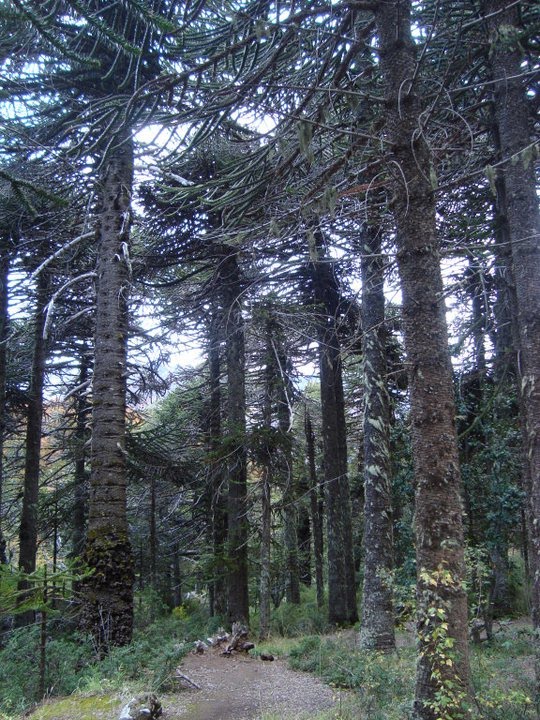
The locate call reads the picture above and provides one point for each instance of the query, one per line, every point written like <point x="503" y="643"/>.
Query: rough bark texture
<point x="438" y="519"/>
<point x="266" y="506"/>
<point x="377" y="629"/>
<point x="80" y="506"/>
<point x="512" y="116"/>
<point x="342" y="609"/>
<point x="238" y="601"/>
<point x="218" y="590"/>
<point x="304" y="531"/>
<point x="290" y="514"/>
<point x="108" y="593"/>
<point x="315" y="509"/>
<point x="28" y="529"/>
<point x="4" y="321"/>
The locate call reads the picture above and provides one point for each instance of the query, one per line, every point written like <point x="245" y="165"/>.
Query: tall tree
<point x="28" y="530"/>
<point x="377" y="629"/>
<point x="523" y="215"/>
<point x="342" y="609"/>
<point x="438" y="509"/>
<point x="237" y="523"/>
<point x="108" y="597"/>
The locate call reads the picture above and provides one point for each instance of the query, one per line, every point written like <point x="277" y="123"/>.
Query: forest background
<point x="299" y="188"/>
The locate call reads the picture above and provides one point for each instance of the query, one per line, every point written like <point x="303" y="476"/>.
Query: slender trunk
<point x="316" y="515"/>
<point x="304" y="532"/>
<point x="80" y="505"/>
<point x="523" y="215"/>
<point x="218" y="505"/>
<point x="177" y="576"/>
<point x="4" y="321"/>
<point x="442" y="602"/>
<point x="377" y="630"/>
<point x="238" y="600"/>
<point x="108" y="597"/>
<point x="342" y="609"/>
<point x="290" y="516"/>
<point x="152" y="532"/>
<point x="28" y="531"/>
<point x="266" y="503"/>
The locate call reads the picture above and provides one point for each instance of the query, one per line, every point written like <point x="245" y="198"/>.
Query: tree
<point x="342" y="609"/>
<point x="438" y="508"/>
<point x="237" y="521"/>
<point x="523" y="215"/>
<point x="377" y="630"/>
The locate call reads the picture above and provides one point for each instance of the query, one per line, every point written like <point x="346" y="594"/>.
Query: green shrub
<point x="289" y="620"/>
<point x="383" y="683"/>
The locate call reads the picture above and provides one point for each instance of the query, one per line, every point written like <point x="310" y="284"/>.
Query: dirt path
<point x="243" y="688"/>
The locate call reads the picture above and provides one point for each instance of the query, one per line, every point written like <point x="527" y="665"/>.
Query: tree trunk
<point x="304" y="532"/>
<point x="152" y="535"/>
<point x="377" y="631"/>
<point x="316" y="515"/>
<point x="513" y="121"/>
<point x="289" y="500"/>
<point x="238" y="600"/>
<point x="442" y="602"/>
<point x="342" y="609"/>
<point x="80" y="505"/>
<point x="28" y="530"/>
<point x="108" y="597"/>
<point x="266" y="501"/>
<point x="218" y="506"/>
<point x="4" y="323"/>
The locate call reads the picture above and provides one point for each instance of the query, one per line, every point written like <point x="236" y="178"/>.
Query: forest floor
<point x="244" y="687"/>
<point x="240" y="687"/>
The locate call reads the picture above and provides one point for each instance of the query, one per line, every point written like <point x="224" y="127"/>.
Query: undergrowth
<point x="71" y="664"/>
<point x="381" y="685"/>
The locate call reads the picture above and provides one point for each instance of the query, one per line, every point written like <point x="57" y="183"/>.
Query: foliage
<point x="382" y="682"/>
<point x="149" y="662"/>
<point x="291" y="620"/>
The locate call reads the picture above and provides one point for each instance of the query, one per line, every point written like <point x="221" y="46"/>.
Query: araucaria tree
<point x="238" y="176"/>
<point x="438" y="508"/>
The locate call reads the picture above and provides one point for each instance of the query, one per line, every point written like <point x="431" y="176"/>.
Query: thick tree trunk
<point x="315" y="509"/>
<point x="442" y="603"/>
<point x="512" y="116"/>
<point x="377" y="629"/>
<point x="4" y="323"/>
<point x="108" y="596"/>
<point x="342" y="608"/>
<point x="238" y="600"/>
<point x="28" y="530"/>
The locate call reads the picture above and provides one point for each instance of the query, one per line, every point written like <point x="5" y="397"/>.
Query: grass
<point x="368" y="686"/>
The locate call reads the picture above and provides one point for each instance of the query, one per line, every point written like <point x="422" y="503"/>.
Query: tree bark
<point x="238" y="600"/>
<point x="266" y="498"/>
<point x="438" y="520"/>
<point x="108" y="596"/>
<point x="315" y="509"/>
<point x="377" y="630"/>
<point x="289" y="499"/>
<point x="217" y="479"/>
<point x="80" y="505"/>
<point x="514" y="129"/>
<point x="28" y="530"/>
<point x="4" y="329"/>
<point x="342" y="609"/>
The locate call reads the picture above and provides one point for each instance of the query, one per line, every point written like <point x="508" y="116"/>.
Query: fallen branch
<point x="181" y="676"/>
